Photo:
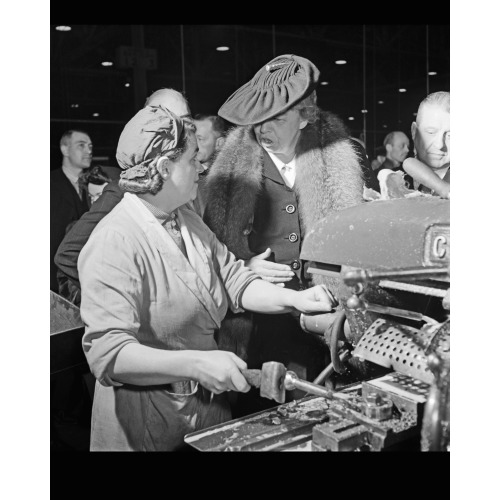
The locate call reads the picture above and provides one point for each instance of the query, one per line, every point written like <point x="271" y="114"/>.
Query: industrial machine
<point x="388" y="385"/>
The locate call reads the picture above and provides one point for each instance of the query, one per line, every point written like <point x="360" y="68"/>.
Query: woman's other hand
<point x="315" y="299"/>
<point x="220" y="371"/>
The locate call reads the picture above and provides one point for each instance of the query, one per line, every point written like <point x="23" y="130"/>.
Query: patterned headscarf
<point x="152" y="132"/>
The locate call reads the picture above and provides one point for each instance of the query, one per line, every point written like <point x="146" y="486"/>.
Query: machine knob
<point x="377" y="407"/>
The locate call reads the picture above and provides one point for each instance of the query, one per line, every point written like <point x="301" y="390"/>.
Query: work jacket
<point x="138" y="286"/>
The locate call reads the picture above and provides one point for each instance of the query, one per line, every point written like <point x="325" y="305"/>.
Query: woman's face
<point x="95" y="190"/>
<point x="184" y="173"/>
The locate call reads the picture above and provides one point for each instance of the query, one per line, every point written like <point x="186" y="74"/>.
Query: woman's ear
<point x="163" y="167"/>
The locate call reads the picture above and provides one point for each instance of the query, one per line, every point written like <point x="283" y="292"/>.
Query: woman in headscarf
<point x="156" y="284"/>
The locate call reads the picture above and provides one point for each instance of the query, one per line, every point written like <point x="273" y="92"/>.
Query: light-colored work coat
<point x="137" y="286"/>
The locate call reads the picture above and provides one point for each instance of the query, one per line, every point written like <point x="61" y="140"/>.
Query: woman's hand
<point x="270" y="271"/>
<point x="220" y="371"/>
<point x="315" y="299"/>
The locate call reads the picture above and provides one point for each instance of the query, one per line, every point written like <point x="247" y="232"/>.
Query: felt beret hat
<point x="153" y="131"/>
<point x="275" y="88"/>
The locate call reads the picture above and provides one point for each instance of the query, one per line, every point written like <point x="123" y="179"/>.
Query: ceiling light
<point x="432" y="73"/>
<point x="364" y="111"/>
<point x="324" y="83"/>
<point x="340" y="61"/>
<point x="351" y="118"/>
<point x="75" y="105"/>
<point x="222" y="48"/>
<point x="402" y="90"/>
<point x="384" y="126"/>
<point x="95" y="114"/>
<point x="381" y="102"/>
<point x="63" y="28"/>
<point x="127" y="84"/>
<point x="107" y="63"/>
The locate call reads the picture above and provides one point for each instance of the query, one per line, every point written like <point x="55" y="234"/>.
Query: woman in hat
<point x="156" y="284"/>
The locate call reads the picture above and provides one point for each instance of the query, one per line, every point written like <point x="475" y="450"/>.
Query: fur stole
<point x="329" y="178"/>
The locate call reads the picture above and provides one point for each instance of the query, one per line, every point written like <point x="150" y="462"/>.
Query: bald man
<point x="67" y="255"/>
<point x="431" y="134"/>
<point x="397" y="147"/>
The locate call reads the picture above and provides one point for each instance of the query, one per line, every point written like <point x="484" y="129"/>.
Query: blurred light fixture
<point x="95" y="114"/>
<point x="127" y="84"/>
<point x="402" y="90"/>
<point x="324" y="83"/>
<point x="381" y="102"/>
<point x="384" y="126"/>
<point x="340" y="61"/>
<point x="63" y="28"/>
<point x="432" y="73"/>
<point x="222" y="48"/>
<point x="364" y="111"/>
<point x="351" y="118"/>
<point x="75" y="105"/>
<point x="106" y="63"/>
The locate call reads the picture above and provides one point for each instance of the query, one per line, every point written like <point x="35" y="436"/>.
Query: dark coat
<point x="247" y="209"/>
<point x="65" y="207"/>
<point x="329" y="178"/>
<point x="425" y="189"/>
<point x="70" y="247"/>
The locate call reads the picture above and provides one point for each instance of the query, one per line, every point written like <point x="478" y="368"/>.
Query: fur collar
<point x="329" y="178"/>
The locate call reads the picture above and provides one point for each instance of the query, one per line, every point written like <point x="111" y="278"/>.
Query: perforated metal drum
<point x="403" y="348"/>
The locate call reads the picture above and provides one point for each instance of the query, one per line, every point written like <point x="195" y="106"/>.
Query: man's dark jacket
<point x="65" y="207"/>
<point x="67" y="254"/>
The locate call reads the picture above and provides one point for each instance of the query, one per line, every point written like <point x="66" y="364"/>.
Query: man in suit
<point x="397" y="147"/>
<point x="66" y="257"/>
<point x="67" y="200"/>
<point x="210" y="135"/>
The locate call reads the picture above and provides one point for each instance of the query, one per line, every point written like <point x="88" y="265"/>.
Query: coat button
<point x="295" y="264"/>
<point x="290" y="209"/>
<point x="293" y="237"/>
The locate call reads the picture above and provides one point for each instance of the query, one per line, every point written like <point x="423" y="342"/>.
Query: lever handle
<point x="253" y="377"/>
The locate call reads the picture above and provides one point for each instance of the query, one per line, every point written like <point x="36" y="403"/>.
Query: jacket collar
<point x="193" y="271"/>
<point x="270" y="170"/>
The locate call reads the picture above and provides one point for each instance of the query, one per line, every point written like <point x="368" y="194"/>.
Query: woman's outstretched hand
<point x="315" y="299"/>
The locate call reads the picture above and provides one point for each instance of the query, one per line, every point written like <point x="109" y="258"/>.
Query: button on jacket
<point x="274" y="225"/>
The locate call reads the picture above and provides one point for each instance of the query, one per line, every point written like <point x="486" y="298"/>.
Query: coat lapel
<point x="270" y="171"/>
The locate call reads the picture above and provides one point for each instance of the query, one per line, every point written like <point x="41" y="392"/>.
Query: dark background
<point x="381" y="59"/>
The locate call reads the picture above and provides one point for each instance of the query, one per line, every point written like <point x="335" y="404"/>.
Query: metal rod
<point x="322" y="376"/>
<point x="400" y="313"/>
<point x="312" y="388"/>
<point x="364" y="84"/>
<point x="427" y="55"/>
<point x="374" y="96"/>
<point x="364" y="275"/>
<point x="182" y="60"/>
